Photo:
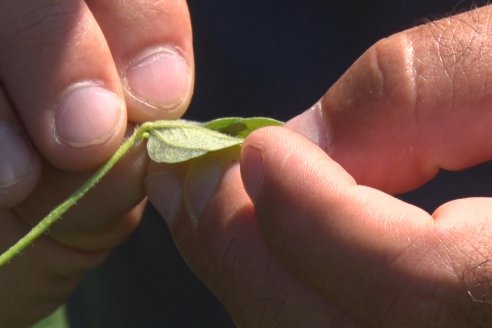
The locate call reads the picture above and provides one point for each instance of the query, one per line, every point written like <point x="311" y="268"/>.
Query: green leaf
<point x="57" y="319"/>
<point x="238" y="126"/>
<point x="185" y="140"/>
<point x="168" y="142"/>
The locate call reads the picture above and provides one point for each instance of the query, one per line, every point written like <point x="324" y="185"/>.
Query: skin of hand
<point x="74" y="77"/>
<point x="306" y="230"/>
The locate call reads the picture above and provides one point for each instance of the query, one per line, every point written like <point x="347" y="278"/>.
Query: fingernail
<point x="313" y="125"/>
<point x="159" y="78"/>
<point x="201" y="182"/>
<point x="16" y="161"/>
<point x="252" y="170"/>
<point x="164" y="192"/>
<point x="87" y="115"/>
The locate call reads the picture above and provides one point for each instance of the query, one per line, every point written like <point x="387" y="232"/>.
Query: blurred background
<point x="253" y="57"/>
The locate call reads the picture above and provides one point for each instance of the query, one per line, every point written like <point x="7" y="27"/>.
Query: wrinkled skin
<point x="306" y="230"/>
<point x="74" y="76"/>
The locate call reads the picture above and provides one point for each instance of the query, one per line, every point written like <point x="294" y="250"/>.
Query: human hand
<point x="315" y="237"/>
<point x="73" y="75"/>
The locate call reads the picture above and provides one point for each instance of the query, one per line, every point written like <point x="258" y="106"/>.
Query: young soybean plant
<point x="167" y="142"/>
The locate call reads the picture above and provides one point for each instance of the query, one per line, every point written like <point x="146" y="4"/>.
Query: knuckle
<point x="454" y="57"/>
<point x="381" y="80"/>
<point x="395" y="64"/>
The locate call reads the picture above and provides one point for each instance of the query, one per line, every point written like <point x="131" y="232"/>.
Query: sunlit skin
<point x="305" y="230"/>
<point x="167" y="141"/>
<point x="75" y="76"/>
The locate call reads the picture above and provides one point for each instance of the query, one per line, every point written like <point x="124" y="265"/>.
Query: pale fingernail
<point x="252" y="170"/>
<point x="201" y="182"/>
<point x="164" y="192"/>
<point x="313" y="125"/>
<point x="17" y="159"/>
<point x="159" y="78"/>
<point x="87" y="115"/>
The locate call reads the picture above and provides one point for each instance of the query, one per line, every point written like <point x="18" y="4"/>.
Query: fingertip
<point x="313" y="125"/>
<point x="158" y="83"/>
<point x="87" y="114"/>
<point x="258" y="154"/>
<point x="64" y="87"/>
<point x="252" y="169"/>
<point x="89" y="122"/>
<point x="153" y="53"/>
<point x="20" y="167"/>
<point x="271" y="158"/>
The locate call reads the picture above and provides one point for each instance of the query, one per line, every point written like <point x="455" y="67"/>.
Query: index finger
<point x="413" y="103"/>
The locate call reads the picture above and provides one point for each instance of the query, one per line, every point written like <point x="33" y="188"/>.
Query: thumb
<point x="338" y="237"/>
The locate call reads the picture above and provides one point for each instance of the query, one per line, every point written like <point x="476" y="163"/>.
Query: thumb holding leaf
<point x="320" y="229"/>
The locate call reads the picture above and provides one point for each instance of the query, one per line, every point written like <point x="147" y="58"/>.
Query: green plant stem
<point x="62" y="208"/>
<point x="245" y="127"/>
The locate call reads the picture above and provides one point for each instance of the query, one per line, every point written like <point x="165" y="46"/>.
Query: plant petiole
<point x="168" y="142"/>
<point x="62" y="208"/>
